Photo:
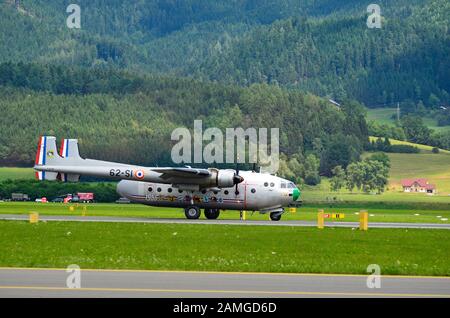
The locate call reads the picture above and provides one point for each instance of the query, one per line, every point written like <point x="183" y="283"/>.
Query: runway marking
<point x="150" y="290"/>
<point x="221" y="273"/>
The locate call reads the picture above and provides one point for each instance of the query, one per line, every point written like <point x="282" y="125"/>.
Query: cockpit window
<point x="291" y="185"/>
<point x="283" y="185"/>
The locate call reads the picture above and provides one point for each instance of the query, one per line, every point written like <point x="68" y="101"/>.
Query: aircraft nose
<point x="295" y="194"/>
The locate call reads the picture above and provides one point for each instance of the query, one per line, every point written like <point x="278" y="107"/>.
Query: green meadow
<point x="16" y="173"/>
<point x="223" y="248"/>
<point x="382" y="115"/>
<point x="387" y="116"/>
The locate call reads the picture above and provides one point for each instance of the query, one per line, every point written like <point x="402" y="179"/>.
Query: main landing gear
<point x="212" y="214"/>
<point x="193" y="213"/>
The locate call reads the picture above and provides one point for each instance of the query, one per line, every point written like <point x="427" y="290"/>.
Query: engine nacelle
<point x="226" y="178"/>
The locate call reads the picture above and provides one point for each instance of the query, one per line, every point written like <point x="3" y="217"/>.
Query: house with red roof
<point x="418" y="185"/>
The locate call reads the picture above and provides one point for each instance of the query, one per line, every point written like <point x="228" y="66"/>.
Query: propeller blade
<point x="237" y="179"/>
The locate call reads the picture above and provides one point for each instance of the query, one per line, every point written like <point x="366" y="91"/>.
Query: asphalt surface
<point x="21" y="217"/>
<point x="16" y="282"/>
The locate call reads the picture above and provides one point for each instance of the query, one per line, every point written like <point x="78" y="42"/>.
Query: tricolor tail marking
<point x="40" y="157"/>
<point x="40" y="175"/>
<point x="64" y="150"/>
<point x="64" y="153"/>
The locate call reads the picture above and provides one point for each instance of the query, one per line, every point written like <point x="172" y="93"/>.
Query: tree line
<point x="369" y="175"/>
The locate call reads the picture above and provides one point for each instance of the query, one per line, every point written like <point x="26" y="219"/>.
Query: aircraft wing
<point x="167" y="173"/>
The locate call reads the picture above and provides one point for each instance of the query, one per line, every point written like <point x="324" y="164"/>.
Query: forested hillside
<point x="119" y="116"/>
<point x="322" y="46"/>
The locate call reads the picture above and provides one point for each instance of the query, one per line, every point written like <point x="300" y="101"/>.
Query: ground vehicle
<point x="87" y="197"/>
<point x="75" y="198"/>
<point x="19" y="197"/>
<point x="80" y="197"/>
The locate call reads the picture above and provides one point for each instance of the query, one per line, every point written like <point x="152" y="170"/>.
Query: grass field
<point x="384" y="116"/>
<point x="390" y="199"/>
<point x="16" y="173"/>
<point x="423" y="148"/>
<point x="223" y="248"/>
<point x="416" y="214"/>
<point x="434" y="167"/>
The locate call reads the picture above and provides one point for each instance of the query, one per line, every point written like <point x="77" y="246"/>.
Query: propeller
<point x="237" y="179"/>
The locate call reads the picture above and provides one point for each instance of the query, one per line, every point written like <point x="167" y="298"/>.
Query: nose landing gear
<point x="276" y="216"/>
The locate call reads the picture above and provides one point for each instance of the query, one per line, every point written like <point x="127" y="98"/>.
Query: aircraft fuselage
<point x="258" y="192"/>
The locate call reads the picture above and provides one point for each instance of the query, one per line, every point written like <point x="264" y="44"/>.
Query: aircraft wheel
<point x="212" y="214"/>
<point x="275" y="216"/>
<point x="192" y="212"/>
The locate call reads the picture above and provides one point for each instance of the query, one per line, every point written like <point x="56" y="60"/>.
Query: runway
<point x="127" y="283"/>
<point x="23" y="217"/>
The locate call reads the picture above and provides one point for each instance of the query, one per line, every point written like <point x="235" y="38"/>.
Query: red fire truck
<point x="81" y="197"/>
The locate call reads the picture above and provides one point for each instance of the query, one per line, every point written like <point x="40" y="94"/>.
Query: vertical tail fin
<point x="46" y="154"/>
<point x="69" y="149"/>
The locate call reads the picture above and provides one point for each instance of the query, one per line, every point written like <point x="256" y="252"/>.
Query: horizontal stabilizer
<point x="46" y="175"/>
<point x="68" y="177"/>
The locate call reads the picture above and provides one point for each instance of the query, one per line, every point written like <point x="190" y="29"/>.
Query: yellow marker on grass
<point x="363" y="220"/>
<point x="320" y="219"/>
<point x="34" y="217"/>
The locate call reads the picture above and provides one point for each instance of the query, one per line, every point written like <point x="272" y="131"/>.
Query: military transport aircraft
<point x="185" y="187"/>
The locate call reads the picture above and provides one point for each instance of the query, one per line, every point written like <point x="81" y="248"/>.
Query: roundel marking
<point x="139" y="174"/>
